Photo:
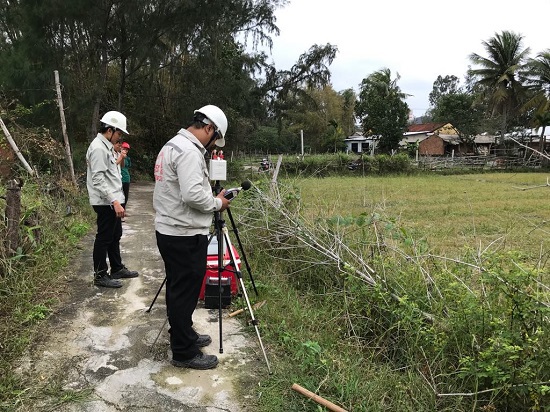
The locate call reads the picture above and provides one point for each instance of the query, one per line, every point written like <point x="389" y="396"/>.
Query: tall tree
<point x="499" y="75"/>
<point x="348" y="116"/>
<point x="283" y="87"/>
<point x="382" y="109"/>
<point x="460" y="110"/>
<point x="155" y="59"/>
<point x="318" y="112"/>
<point x="443" y="86"/>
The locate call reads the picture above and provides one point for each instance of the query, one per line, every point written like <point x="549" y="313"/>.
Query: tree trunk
<point x="503" y="127"/>
<point x="99" y="91"/>
<point x="122" y="88"/>
<point x="102" y="75"/>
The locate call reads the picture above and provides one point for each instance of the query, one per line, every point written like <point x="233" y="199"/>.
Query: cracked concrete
<point x="103" y="340"/>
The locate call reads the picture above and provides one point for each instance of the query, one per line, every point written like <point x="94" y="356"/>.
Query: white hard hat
<point x="216" y="116"/>
<point x="115" y="119"/>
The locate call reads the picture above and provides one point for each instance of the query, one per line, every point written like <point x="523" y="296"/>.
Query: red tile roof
<point x="425" y="127"/>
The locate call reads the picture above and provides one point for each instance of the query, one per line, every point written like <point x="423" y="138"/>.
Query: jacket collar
<point x="191" y="137"/>
<point x="105" y="141"/>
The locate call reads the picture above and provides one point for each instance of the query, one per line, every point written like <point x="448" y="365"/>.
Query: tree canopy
<point x="500" y="75"/>
<point x="382" y="109"/>
<point x="156" y="61"/>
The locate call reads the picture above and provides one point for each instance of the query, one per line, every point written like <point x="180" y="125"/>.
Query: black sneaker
<point x="203" y="340"/>
<point x="200" y="361"/>
<point x="124" y="273"/>
<point x="106" y="281"/>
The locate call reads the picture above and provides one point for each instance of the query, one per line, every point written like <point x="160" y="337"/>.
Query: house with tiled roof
<point x="435" y="139"/>
<point x="430" y="139"/>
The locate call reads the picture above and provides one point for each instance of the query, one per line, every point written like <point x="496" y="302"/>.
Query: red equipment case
<point x="212" y="267"/>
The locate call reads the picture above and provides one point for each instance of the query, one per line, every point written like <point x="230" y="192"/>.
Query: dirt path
<point x="101" y="340"/>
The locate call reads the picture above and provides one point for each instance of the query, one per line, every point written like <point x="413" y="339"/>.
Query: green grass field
<point x="450" y="212"/>
<point x="374" y="348"/>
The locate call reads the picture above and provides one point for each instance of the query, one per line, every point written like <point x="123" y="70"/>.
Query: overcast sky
<point x="418" y="39"/>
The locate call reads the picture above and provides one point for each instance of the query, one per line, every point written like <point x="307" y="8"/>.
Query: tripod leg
<point x="156" y="296"/>
<point x="243" y="290"/>
<point x="160" y="331"/>
<point x="219" y="236"/>
<point x="243" y="254"/>
<point x="255" y="323"/>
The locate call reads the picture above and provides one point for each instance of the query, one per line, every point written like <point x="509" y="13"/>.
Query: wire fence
<point x="489" y="162"/>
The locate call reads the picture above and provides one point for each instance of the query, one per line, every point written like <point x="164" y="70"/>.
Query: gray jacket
<point x="103" y="179"/>
<point x="183" y="199"/>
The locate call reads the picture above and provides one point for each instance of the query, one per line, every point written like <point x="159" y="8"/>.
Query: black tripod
<point x="223" y="239"/>
<point x="218" y="223"/>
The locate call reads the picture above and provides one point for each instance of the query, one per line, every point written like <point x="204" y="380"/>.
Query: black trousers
<point x="126" y="190"/>
<point x="185" y="264"/>
<point x="107" y="240"/>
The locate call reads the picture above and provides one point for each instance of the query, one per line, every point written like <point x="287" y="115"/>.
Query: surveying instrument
<point x="218" y="171"/>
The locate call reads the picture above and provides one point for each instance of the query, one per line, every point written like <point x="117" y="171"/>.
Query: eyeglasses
<point x="216" y="130"/>
<point x="118" y="142"/>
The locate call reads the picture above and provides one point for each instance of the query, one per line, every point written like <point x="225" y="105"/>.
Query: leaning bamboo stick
<point x="15" y="148"/>
<point x="317" y="398"/>
<point x="256" y="306"/>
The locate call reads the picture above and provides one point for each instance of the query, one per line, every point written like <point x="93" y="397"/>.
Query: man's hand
<point x="225" y="202"/>
<point x="122" y="155"/>
<point x="119" y="210"/>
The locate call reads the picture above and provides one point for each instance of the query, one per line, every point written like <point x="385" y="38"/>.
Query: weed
<point x="29" y="280"/>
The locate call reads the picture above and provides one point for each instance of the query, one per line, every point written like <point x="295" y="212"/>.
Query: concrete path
<point x="101" y="340"/>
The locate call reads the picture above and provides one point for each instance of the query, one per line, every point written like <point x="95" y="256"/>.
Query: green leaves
<point x="382" y="109"/>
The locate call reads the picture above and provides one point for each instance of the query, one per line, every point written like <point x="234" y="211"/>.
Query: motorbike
<point x="354" y="165"/>
<point x="264" y="165"/>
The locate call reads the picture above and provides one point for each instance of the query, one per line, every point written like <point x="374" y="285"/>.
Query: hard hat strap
<point x="212" y="139"/>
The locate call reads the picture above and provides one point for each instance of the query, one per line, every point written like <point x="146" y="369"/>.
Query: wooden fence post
<point x="13" y="215"/>
<point x="64" y="127"/>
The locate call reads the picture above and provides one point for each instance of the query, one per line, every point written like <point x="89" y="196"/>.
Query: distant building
<point x="441" y="139"/>
<point x="360" y="144"/>
<point x="434" y="139"/>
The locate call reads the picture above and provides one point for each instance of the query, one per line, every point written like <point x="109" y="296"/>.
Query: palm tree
<point x="538" y="74"/>
<point x="499" y="75"/>
<point x="542" y="119"/>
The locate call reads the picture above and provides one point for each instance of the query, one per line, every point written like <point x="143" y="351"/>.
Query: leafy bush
<point x="335" y="164"/>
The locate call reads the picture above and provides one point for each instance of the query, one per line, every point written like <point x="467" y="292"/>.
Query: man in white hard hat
<point x="184" y="206"/>
<point x="104" y="185"/>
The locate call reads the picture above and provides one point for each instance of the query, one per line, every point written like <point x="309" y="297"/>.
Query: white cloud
<point x="417" y="39"/>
